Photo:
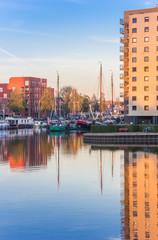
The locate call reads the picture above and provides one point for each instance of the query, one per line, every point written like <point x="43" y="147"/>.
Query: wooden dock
<point x="129" y="138"/>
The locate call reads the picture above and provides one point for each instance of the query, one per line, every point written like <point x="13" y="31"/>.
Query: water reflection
<point x="140" y="201"/>
<point x="29" y="148"/>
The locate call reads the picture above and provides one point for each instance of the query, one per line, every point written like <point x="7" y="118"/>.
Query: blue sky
<point x="39" y="37"/>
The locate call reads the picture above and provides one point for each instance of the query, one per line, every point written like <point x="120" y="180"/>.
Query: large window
<point x="146" y="39"/>
<point x="134" y="88"/>
<point x="146" y="108"/>
<point x="134" y="98"/>
<point x="1" y="89"/>
<point x="134" y="49"/>
<point x="26" y="83"/>
<point x="146" y="29"/>
<point x="146" y="88"/>
<point x="146" y="78"/>
<point x="134" y="59"/>
<point x="134" y="30"/>
<point x="146" y="19"/>
<point x="146" y="59"/>
<point x="146" y="49"/>
<point x="134" y="20"/>
<point x="134" y="79"/>
<point x="146" y="98"/>
<point x="134" y="69"/>
<point x="146" y="69"/>
<point x="5" y="95"/>
<point x="134" y="108"/>
<point x="134" y="40"/>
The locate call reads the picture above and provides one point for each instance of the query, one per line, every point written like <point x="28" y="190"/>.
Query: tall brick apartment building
<point x="140" y="65"/>
<point x="31" y="88"/>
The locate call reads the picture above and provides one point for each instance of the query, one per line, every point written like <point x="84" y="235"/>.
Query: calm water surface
<point x="56" y="187"/>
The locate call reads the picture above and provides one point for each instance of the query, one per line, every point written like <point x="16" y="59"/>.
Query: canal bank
<point x="121" y="138"/>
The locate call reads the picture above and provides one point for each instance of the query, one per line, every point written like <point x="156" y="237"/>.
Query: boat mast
<point x="58" y="94"/>
<point x="112" y="93"/>
<point x="100" y="91"/>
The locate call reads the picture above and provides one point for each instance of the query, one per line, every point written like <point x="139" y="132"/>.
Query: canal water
<point x="55" y="187"/>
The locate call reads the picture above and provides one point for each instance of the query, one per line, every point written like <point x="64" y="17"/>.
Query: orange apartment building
<point x="31" y="88"/>
<point x="139" y="57"/>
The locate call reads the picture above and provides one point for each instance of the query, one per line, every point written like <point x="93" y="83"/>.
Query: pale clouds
<point x="26" y="32"/>
<point x="104" y="39"/>
<point x="7" y="53"/>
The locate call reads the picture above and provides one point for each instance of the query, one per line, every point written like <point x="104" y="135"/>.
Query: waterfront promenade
<point x="121" y="138"/>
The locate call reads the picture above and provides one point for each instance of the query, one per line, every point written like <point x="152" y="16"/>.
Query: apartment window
<point x="157" y="18"/>
<point x="134" y="98"/>
<point x="146" y="59"/>
<point x="22" y="89"/>
<point x="157" y="48"/>
<point x="146" y="98"/>
<point x="157" y="108"/>
<point x="5" y="95"/>
<point x="134" y="40"/>
<point x="156" y="78"/>
<point x="157" y="98"/>
<point x="134" y="20"/>
<point x="146" y="49"/>
<point x="26" y="95"/>
<point x="134" y="59"/>
<point x="134" y="88"/>
<point x="13" y="88"/>
<point x="1" y="89"/>
<point x="26" y="83"/>
<point x="134" y="30"/>
<point x="134" y="108"/>
<point x="146" y="88"/>
<point x="146" y="108"/>
<point x="146" y="29"/>
<point x="146" y="78"/>
<point x="146" y="39"/>
<point x="134" y="69"/>
<point x="157" y="28"/>
<point x="156" y="68"/>
<point x="26" y="89"/>
<point x="134" y="49"/>
<point x="157" y="38"/>
<point x="146" y="19"/>
<point x="156" y="88"/>
<point x="134" y="79"/>
<point x="156" y="58"/>
<point x="146" y="69"/>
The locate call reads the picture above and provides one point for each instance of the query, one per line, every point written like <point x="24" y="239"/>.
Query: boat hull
<point x="57" y="128"/>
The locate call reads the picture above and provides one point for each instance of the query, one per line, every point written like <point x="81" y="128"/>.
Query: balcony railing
<point x="121" y="21"/>
<point x="121" y="76"/>
<point x="121" y="67"/>
<point x="121" y="94"/>
<point x="121" y="85"/>
<point x="122" y="30"/>
<point x="121" y="57"/>
<point x="121" y="40"/>
<point x="121" y="48"/>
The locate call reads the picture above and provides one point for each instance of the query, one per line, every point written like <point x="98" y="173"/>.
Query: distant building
<point x="31" y="88"/>
<point x="140" y="65"/>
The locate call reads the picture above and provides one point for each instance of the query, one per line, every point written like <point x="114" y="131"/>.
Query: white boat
<point x="4" y="124"/>
<point x="40" y="124"/>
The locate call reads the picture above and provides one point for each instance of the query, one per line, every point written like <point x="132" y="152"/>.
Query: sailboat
<point x="57" y="126"/>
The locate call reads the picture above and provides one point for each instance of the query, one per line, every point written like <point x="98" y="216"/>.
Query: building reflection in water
<point x="28" y="149"/>
<point x="139" y="203"/>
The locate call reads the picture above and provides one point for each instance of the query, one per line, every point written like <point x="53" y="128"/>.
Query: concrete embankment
<point x="121" y="138"/>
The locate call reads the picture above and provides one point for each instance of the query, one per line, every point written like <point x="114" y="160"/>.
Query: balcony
<point x="121" y="67"/>
<point x="121" y="57"/>
<point x="121" y="76"/>
<point x="121" y="21"/>
<point x="122" y="30"/>
<point x="121" y="94"/>
<point x="121" y="40"/>
<point x="121" y="85"/>
<point x="121" y="48"/>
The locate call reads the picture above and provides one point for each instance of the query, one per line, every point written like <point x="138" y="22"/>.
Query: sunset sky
<point x="39" y="37"/>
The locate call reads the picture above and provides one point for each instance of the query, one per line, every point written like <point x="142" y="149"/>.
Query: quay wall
<point x="121" y="138"/>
